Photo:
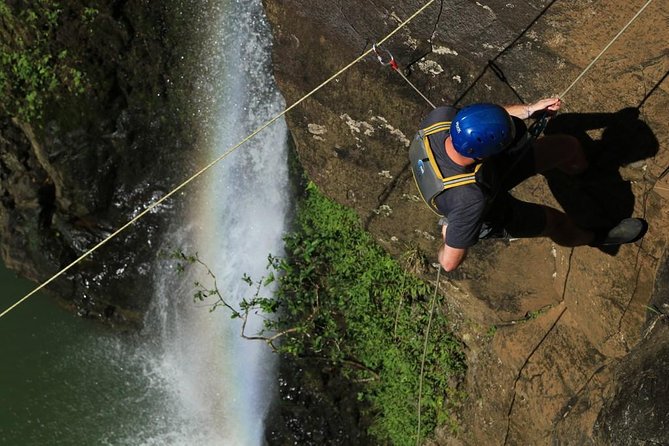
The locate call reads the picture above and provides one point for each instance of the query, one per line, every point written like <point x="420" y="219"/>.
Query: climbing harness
<point x="392" y="63"/>
<point x="426" y="173"/>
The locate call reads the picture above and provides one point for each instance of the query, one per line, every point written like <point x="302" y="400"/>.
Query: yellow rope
<point x="605" y="48"/>
<point x="208" y="166"/>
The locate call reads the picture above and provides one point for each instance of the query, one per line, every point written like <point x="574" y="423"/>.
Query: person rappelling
<point x="465" y="162"/>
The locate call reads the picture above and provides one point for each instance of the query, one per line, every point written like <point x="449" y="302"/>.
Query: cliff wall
<point x="89" y="161"/>
<point x="542" y="323"/>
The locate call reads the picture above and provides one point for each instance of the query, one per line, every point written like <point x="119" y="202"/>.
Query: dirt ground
<point x="542" y="324"/>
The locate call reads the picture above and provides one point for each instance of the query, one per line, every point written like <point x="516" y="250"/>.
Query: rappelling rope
<point x="211" y="164"/>
<point x="605" y="48"/>
<point x="422" y="362"/>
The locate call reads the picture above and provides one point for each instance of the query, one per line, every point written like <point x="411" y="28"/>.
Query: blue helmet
<point x="482" y="130"/>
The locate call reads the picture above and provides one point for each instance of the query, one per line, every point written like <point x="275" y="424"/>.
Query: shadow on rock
<point x="600" y="197"/>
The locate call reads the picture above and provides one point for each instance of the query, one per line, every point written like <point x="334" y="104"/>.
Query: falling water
<point x="221" y="385"/>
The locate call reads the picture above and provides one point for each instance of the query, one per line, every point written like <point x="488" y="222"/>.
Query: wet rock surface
<point x="546" y="328"/>
<point x="97" y="159"/>
<point x="315" y="405"/>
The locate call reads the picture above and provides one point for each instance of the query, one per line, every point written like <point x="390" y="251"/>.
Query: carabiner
<point x="539" y="125"/>
<point x="391" y="60"/>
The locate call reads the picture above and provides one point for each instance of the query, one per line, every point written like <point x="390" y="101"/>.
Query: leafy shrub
<point x="33" y="66"/>
<point x="359" y="306"/>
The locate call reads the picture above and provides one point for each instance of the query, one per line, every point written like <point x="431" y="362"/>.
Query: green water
<point x="69" y="381"/>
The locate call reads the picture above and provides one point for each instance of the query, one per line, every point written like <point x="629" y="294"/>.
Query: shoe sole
<point x="628" y="230"/>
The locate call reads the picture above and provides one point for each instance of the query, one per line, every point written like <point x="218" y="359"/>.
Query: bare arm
<point x="450" y="258"/>
<point x="524" y="111"/>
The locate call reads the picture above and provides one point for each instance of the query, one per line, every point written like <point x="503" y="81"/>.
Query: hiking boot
<point x="629" y="230"/>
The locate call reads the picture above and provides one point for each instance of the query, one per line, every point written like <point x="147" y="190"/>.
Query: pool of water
<point x="63" y="379"/>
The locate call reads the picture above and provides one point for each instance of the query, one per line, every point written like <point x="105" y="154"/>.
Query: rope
<point x="605" y="48"/>
<point x="211" y="164"/>
<point x="392" y="63"/>
<point x="414" y="87"/>
<point x="422" y="362"/>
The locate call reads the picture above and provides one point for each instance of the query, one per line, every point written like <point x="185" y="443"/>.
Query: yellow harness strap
<point x="454" y="180"/>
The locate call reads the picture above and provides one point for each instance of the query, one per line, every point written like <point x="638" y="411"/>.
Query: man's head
<point x="482" y="130"/>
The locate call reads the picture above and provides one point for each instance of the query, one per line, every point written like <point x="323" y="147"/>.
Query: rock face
<point x="628" y="399"/>
<point x="637" y="411"/>
<point x="546" y="327"/>
<point x="97" y="159"/>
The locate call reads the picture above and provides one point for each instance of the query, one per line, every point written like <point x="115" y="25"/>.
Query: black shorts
<point x="518" y="218"/>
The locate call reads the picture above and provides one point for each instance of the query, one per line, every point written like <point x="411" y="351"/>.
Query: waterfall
<point x="218" y="386"/>
<point x="187" y="379"/>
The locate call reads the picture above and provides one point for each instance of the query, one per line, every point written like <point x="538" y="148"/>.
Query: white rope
<point x="414" y="87"/>
<point x="422" y="362"/>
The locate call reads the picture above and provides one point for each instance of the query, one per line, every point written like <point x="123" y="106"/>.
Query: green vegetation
<point x="89" y="15"/>
<point x="341" y="298"/>
<point x="34" y="66"/>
